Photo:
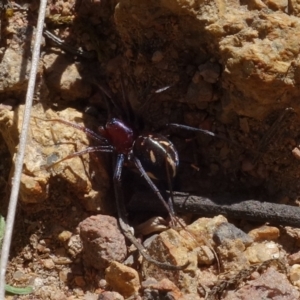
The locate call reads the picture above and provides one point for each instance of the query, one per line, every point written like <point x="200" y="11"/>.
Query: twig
<point x="20" y="155"/>
<point x="252" y="210"/>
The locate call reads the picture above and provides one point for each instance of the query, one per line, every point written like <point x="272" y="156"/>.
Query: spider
<point x="153" y="155"/>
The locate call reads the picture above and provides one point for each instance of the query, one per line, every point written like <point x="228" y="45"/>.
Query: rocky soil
<point x="231" y="67"/>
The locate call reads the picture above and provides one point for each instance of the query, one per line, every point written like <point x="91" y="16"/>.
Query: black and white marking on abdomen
<point x="157" y="155"/>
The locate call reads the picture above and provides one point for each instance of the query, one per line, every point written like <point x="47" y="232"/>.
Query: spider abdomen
<point x="157" y="155"/>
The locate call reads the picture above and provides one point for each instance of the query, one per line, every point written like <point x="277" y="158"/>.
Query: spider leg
<point x="154" y="188"/>
<point x="171" y="198"/>
<point x="87" y="131"/>
<point x="85" y="151"/>
<point x="123" y="222"/>
<point x="104" y="88"/>
<point x="206" y="132"/>
<point x="185" y="127"/>
<point x="130" y="117"/>
<point x="169" y="206"/>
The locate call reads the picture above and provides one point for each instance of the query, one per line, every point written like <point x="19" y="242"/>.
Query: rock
<point x="205" y="255"/>
<point x="270" y="284"/>
<point x="102" y="241"/>
<point x="74" y="245"/>
<point x="295" y="8"/>
<point x="265" y="233"/>
<point x="157" y="56"/>
<point x="277" y="5"/>
<point x="89" y="296"/>
<point x="15" y="61"/>
<point x="174" y="247"/>
<point x="110" y="296"/>
<point x="296" y="152"/>
<point x="247" y="165"/>
<point x="200" y="91"/>
<point x="227" y="231"/>
<point x="294" y="258"/>
<point x="210" y="71"/>
<point x="244" y="125"/>
<point x="178" y="248"/>
<point x="79" y="281"/>
<point x="14" y="69"/>
<point x="123" y="279"/>
<point x="203" y="228"/>
<point x="48" y="263"/>
<point x="294" y="234"/>
<point x="48" y="142"/>
<point x="62" y="76"/>
<point x="20" y="276"/>
<point x="295" y="274"/>
<point x="64" y="275"/>
<point x="64" y="236"/>
<point x="247" y="39"/>
<point x="155" y="224"/>
<point x="232" y="256"/>
<point x="258" y="253"/>
<point x="164" y="288"/>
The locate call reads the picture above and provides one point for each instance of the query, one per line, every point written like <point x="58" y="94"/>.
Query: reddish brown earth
<point x="232" y="68"/>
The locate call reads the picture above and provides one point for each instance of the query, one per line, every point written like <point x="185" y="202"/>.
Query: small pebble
<point x="123" y="279"/>
<point x="102" y="283"/>
<point x="296" y="153"/>
<point x="79" y="281"/>
<point x="210" y="71"/>
<point x="164" y="289"/>
<point x="42" y="248"/>
<point x="64" y="236"/>
<point x="157" y="56"/>
<point x="247" y="165"/>
<point x="111" y="296"/>
<point x="63" y="275"/>
<point x="19" y="276"/>
<point x="227" y="231"/>
<point x="74" y="245"/>
<point x="48" y="263"/>
<point x="295" y="274"/>
<point x="265" y="233"/>
<point x="244" y="125"/>
<point x="294" y="258"/>
<point x="205" y="256"/>
<point x="258" y="253"/>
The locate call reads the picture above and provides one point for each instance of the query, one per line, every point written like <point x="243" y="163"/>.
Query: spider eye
<point x="157" y="155"/>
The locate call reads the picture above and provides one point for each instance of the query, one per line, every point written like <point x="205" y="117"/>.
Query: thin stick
<point x="20" y="155"/>
<point x="252" y="210"/>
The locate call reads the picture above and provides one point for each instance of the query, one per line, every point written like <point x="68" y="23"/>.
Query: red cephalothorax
<point x="120" y="136"/>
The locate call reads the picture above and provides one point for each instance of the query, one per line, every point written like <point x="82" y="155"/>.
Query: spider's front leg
<point x="82" y="152"/>
<point x="123" y="222"/>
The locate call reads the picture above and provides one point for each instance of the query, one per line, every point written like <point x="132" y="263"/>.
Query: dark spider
<point x="154" y="156"/>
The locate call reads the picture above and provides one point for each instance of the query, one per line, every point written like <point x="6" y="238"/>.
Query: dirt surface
<point x="222" y="74"/>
